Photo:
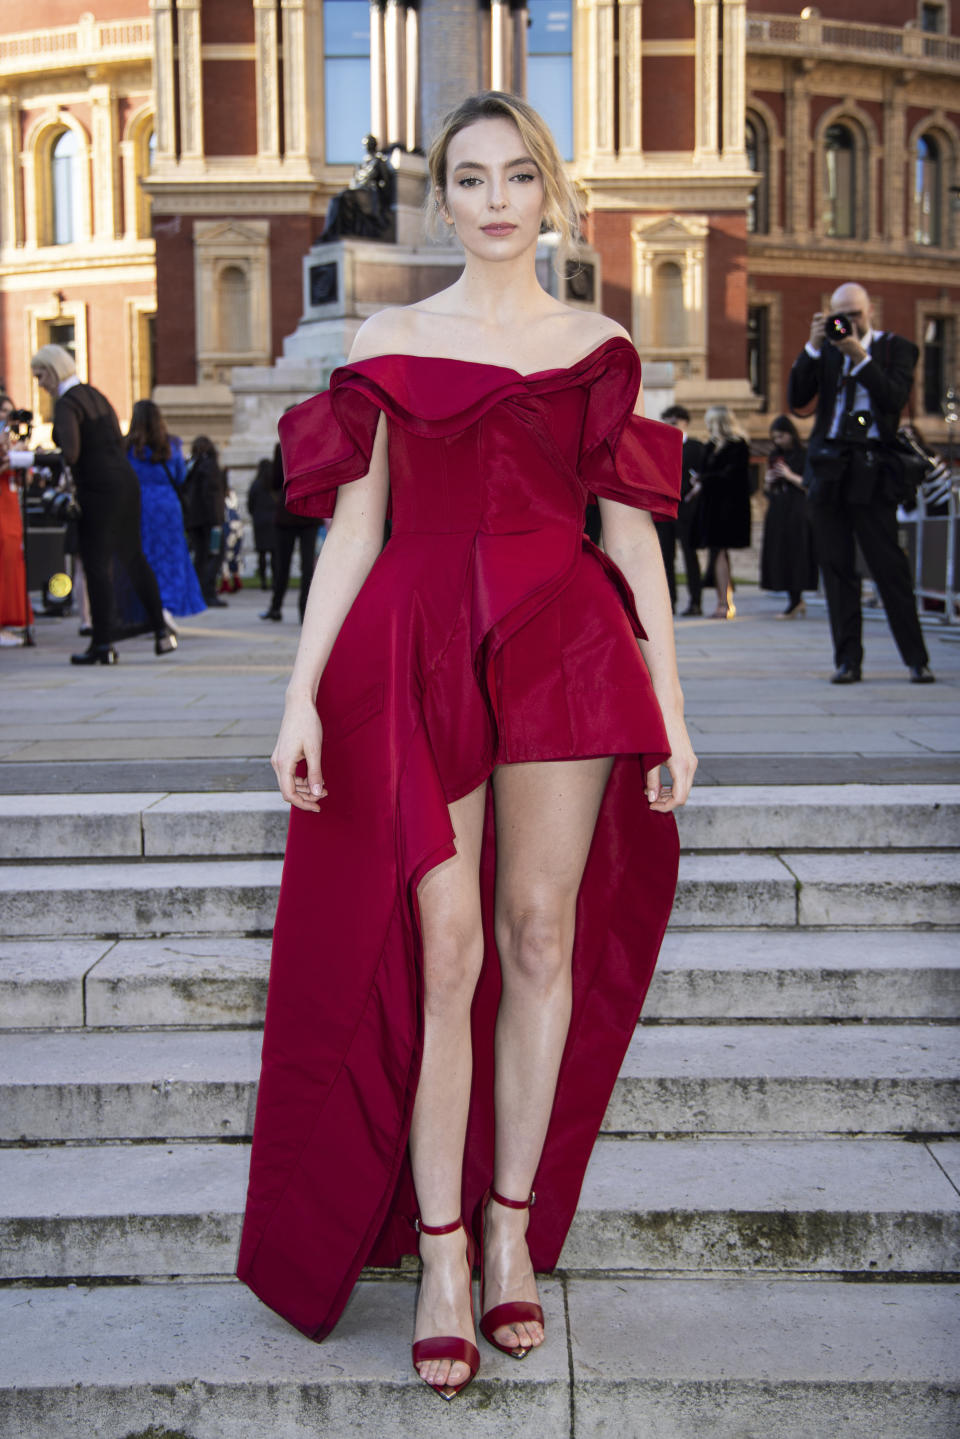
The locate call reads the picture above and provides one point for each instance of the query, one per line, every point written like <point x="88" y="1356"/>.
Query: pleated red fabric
<point x="489" y="631"/>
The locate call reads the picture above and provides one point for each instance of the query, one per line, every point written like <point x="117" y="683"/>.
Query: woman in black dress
<point x="786" y="558"/>
<point x="723" y="485"/>
<point x="86" y="431"/>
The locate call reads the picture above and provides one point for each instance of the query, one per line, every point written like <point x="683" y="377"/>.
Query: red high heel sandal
<point x="517" y="1311"/>
<point x="449" y="1346"/>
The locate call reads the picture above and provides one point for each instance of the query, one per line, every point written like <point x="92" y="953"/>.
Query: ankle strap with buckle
<point x="513" y="1203"/>
<point x="422" y="1228"/>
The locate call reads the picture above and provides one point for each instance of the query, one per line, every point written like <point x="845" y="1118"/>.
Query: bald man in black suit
<point x="861" y="382"/>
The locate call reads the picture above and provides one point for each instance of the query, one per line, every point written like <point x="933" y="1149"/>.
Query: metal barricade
<point x="932" y="542"/>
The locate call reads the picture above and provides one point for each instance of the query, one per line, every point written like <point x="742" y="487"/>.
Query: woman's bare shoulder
<point x="395" y="330"/>
<point x="581" y="331"/>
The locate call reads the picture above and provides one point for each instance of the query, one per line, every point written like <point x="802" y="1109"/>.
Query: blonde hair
<point x="561" y="213"/>
<point x="722" y="425"/>
<point x="55" y="358"/>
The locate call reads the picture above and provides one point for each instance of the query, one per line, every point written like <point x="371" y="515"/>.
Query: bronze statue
<point x="365" y="208"/>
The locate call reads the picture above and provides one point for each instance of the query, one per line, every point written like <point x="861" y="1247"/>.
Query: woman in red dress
<point x="481" y="858"/>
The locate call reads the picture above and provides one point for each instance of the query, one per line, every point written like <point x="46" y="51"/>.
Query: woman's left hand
<point x="682" y="765"/>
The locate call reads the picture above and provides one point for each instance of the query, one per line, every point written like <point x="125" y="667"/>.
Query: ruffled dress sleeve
<point x="622" y="455"/>
<point x="326" y="442"/>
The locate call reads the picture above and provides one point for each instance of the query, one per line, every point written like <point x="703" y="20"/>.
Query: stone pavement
<point x="758" y="703"/>
<point x="768" y="1239"/>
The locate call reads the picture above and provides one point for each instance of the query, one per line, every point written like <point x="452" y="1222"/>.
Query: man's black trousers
<point x="835" y="527"/>
<point x="286" y="541"/>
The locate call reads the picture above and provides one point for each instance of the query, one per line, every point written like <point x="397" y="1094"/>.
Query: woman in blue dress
<point x="158" y="460"/>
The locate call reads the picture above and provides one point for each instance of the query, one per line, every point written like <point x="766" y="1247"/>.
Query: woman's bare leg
<point x="546" y="815"/>
<point x="722" y="573"/>
<point x="452" y="955"/>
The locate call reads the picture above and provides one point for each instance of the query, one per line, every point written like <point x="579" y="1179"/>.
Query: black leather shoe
<point x="271" y="614"/>
<point x="216" y="603"/>
<point x="922" y="675"/>
<point x="165" y="644"/>
<point x="691" y="609"/>
<point x="96" y="655"/>
<point x="845" y="675"/>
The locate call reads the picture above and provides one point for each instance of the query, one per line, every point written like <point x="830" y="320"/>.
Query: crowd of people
<point x="160" y="532"/>
<point x="157" y="533"/>
<point x="715" y="513"/>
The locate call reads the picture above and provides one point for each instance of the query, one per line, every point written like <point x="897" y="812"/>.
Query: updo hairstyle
<point x="561" y="213"/>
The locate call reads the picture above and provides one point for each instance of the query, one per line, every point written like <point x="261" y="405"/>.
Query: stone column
<point x="11" y="223"/>
<point x="501" y="69"/>
<point x="631" y="39"/>
<point x="734" y="78"/>
<point x="797" y="127"/>
<point x="593" y="89"/>
<point x="894" y="159"/>
<point x="378" y="79"/>
<point x="412" y="119"/>
<point x="191" y="80"/>
<point x="450" y="46"/>
<point x="268" y="69"/>
<point x="394" y="45"/>
<point x="164" y="79"/>
<point x="302" y="67"/>
<point x="105" y="154"/>
<point x="707" y="78"/>
<point x="520" y="15"/>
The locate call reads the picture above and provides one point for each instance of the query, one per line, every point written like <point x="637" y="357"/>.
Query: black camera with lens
<point x="838" y="327"/>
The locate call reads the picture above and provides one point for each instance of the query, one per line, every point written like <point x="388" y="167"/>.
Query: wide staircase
<point x="768" y="1239"/>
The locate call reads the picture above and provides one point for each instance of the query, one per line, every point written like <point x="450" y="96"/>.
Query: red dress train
<point x="489" y="631"/>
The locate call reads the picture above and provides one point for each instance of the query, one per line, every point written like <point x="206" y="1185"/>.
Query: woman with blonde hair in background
<point x="482" y="855"/>
<point x="723" y="484"/>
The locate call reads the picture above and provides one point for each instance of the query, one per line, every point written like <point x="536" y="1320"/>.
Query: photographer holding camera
<point x="87" y="432"/>
<point x="861" y="378"/>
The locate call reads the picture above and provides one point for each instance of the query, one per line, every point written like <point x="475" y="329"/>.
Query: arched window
<point x="669" y="319"/>
<point x="151" y="150"/>
<point x="927" y="183"/>
<point x="233" y="309"/>
<point x="758" y="160"/>
<point x="840" y="218"/>
<point x="65" y="191"/>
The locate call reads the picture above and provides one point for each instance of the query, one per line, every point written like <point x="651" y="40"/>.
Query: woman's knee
<point x="452" y="961"/>
<point x="534" y="944"/>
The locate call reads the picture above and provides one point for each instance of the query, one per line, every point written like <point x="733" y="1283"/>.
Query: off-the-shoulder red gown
<point x="489" y="631"/>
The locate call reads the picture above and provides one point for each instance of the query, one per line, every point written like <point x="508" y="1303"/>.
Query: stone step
<point x="716" y="890"/>
<point x="841" y="1205"/>
<point x="735" y="974"/>
<point x="676" y="1079"/>
<point x="677" y="1358"/>
<point x="749" y="817"/>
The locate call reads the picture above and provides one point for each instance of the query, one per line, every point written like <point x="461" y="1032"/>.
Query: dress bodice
<point x="477" y="447"/>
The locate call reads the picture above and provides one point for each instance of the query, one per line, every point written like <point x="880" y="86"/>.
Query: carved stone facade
<point x="76" y="256"/>
<point x="711" y="146"/>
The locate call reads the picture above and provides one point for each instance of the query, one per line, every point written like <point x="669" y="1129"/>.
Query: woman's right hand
<point x="300" y="738"/>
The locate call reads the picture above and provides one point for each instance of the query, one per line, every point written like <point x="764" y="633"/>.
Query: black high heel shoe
<point x="96" y="655"/>
<point x="165" y="643"/>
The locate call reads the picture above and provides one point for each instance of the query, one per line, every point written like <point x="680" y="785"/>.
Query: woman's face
<point x="782" y="439"/>
<point x="494" y="190"/>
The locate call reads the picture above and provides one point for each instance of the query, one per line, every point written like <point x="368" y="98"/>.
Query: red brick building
<point x="165" y="166"/>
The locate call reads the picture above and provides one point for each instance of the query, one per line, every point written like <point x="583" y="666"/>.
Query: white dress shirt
<point x="861" y="397"/>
